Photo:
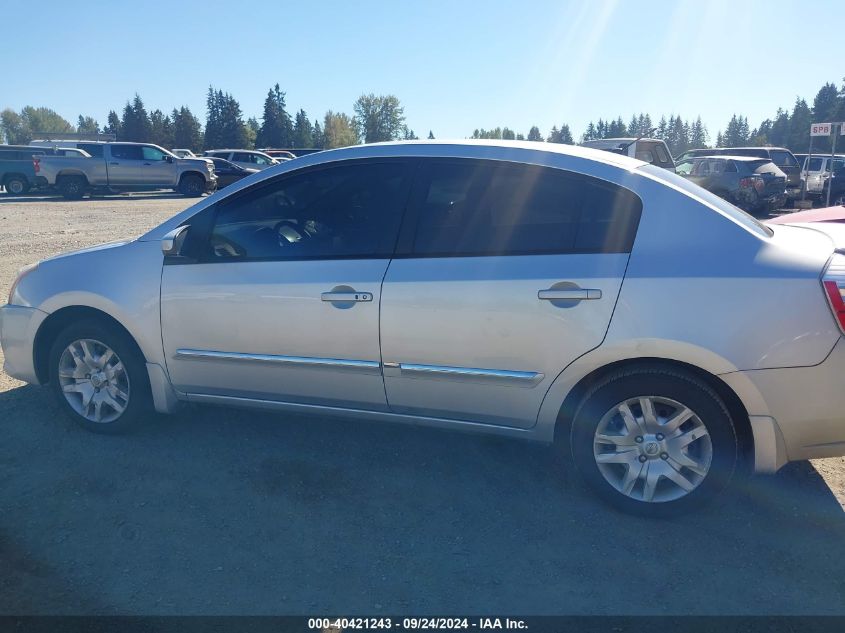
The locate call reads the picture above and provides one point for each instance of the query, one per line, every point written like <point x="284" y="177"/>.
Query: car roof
<point x="732" y="157"/>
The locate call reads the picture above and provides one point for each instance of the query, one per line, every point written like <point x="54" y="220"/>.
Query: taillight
<point x="752" y="182"/>
<point x="36" y="165"/>
<point x="833" y="282"/>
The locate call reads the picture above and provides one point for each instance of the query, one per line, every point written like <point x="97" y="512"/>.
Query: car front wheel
<point x="98" y="377"/>
<point x="654" y="441"/>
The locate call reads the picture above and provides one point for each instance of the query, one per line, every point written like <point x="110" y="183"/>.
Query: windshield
<point x="733" y="212"/>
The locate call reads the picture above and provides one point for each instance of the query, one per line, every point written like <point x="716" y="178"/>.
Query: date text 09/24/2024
<point x="423" y="623"/>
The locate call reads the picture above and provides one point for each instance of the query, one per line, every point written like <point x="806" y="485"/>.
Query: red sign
<point x="820" y="129"/>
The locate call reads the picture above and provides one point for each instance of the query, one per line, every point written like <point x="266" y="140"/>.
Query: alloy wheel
<point x="652" y="449"/>
<point x="94" y="381"/>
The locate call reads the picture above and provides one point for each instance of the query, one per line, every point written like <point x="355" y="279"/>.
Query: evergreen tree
<point x="303" y="134"/>
<point x="799" y="127"/>
<point x="87" y="125"/>
<point x="276" y="126"/>
<point x="779" y="134"/>
<point x="698" y="135"/>
<point x="161" y="129"/>
<point x="136" y="123"/>
<point x="187" y="129"/>
<point x="113" y="126"/>
<point x="825" y="109"/>
<point x="318" y="140"/>
<point x="534" y="134"/>
<point x="430" y="135"/>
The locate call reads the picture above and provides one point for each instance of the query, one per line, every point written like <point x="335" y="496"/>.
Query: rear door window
<point x="95" y="149"/>
<point x="478" y="208"/>
<point x="126" y="152"/>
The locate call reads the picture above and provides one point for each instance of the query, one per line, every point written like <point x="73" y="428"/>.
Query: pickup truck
<point x="17" y="169"/>
<point x="126" y="167"/>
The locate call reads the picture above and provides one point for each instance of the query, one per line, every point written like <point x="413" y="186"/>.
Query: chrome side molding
<point x="474" y="374"/>
<point x="366" y="366"/>
<point x="411" y="370"/>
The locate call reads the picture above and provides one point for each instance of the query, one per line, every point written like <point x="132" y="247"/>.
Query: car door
<point x="280" y="298"/>
<point x="243" y="159"/>
<point x="157" y="169"/>
<point x="504" y="274"/>
<point x="125" y="164"/>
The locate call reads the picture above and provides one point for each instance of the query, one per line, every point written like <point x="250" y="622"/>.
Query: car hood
<point x="90" y="249"/>
<point x="199" y="163"/>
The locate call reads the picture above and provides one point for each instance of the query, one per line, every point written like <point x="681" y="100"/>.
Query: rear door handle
<point x="573" y="294"/>
<point x="346" y="296"/>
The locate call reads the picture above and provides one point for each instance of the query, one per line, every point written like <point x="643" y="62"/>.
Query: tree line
<point x="376" y="118"/>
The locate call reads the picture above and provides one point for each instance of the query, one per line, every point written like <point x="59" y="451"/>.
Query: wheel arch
<point x="71" y="173"/>
<point x="57" y="321"/>
<point x="192" y="172"/>
<point x="14" y="174"/>
<point x="736" y="407"/>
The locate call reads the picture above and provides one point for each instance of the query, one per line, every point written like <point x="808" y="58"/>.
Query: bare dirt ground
<point x="215" y="511"/>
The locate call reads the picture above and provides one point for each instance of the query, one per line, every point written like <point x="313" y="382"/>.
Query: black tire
<point x="139" y="399"/>
<point x="661" y="382"/>
<point x="72" y="187"/>
<point x="192" y="186"/>
<point x="16" y="186"/>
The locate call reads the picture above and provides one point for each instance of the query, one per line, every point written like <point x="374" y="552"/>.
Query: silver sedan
<point x="656" y="335"/>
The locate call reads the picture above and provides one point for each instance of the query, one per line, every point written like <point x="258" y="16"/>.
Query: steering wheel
<point x="288" y="232"/>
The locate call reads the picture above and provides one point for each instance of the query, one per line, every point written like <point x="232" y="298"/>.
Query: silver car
<point x="656" y="335"/>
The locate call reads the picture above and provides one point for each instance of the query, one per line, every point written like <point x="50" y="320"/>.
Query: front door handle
<point x="346" y="296"/>
<point x="569" y="294"/>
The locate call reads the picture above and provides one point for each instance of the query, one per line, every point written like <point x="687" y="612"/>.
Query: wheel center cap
<point x="97" y="379"/>
<point x="652" y="448"/>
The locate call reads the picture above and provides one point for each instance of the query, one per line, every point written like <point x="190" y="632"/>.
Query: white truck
<point x="118" y="167"/>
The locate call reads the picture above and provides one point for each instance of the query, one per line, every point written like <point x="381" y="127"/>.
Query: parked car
<point x="752" y="184"/>
<point x="817" y="170"/>
<point x="836" y="183"/>
<point x="228" y="173"/>
<point x="780" y="156"/>
<point x="834" y="214"/>
<point x="243" y="157"/>
<point x="183" y="153"/>
<point x="658" y="335"/>
<point x="17" y="169"/>
<point x="127" y="167"/>
<point x="279" y="154"/>
<point x="650" y="150"/>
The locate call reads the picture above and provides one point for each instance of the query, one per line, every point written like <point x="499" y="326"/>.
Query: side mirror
<point x="171" y="244"/>
<point x="169" y="159"/>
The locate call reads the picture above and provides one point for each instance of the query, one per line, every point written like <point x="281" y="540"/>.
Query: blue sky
<point x="455" y="65"/>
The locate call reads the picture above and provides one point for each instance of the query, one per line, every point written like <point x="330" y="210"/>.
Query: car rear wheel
<point x="16" y="185"/>
<point x="98" y="377"/>
<point x="72" y="187"/>
<point x="654" y="441"/>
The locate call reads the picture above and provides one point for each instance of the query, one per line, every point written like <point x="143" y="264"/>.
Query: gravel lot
<point x="220" y="511"/>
